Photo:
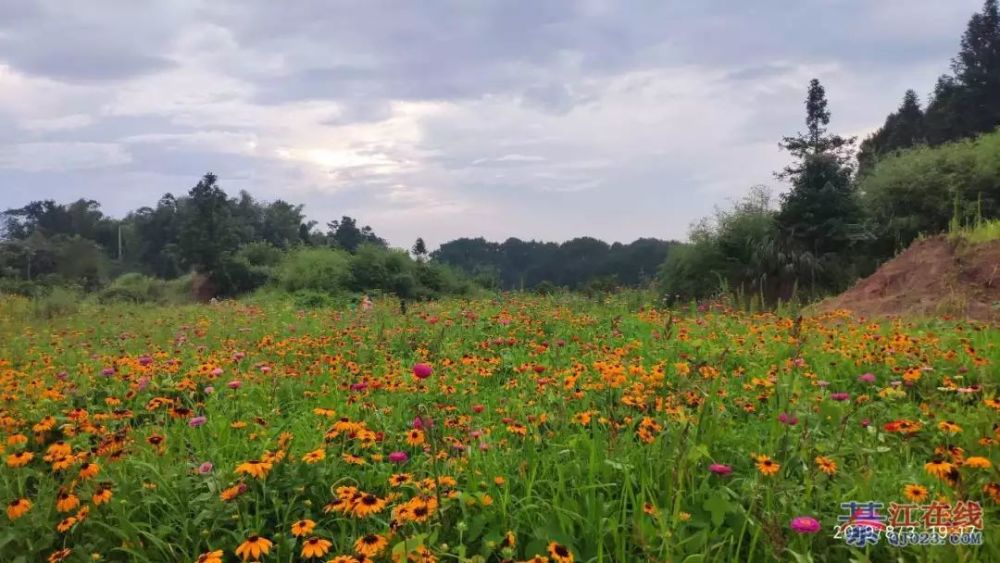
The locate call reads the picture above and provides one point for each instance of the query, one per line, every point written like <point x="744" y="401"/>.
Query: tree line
<point x="922" y="171"/>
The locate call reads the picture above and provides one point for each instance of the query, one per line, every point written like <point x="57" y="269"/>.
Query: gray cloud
<point x="444" y="118"/>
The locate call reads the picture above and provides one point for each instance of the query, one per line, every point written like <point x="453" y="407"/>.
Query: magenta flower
<point x="205" y="468"/>
<point x="867" y="378"/>
<point x="840" y="396"/>
<point x="360" y="386"/>
<point x="422" y="371"/>
<point x="720" y="469"/>
<point x="789" y="419"/>
<point x="398" y="457"/>
<point x="144" y="382"/>
<point x="145" y="360"/>
<point x="108" y="372"/>
<point x="805" y="525"/>
<point x="197" y="421"/>
<point x="865" y="423"/>
<point x="235" y="384"/>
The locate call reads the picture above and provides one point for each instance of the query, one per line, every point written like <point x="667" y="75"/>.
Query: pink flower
<point x="205" y="468"/>
<point x="789" y="419"/>
<point x="805" y="525"/>
<point x="867" y="378"/>
<point x="720" y="469"/>
<point x="422" y="422"/>
<point x="235" y="384"/>
<point x="209" y="390"/>
<point x="823" y="383"/>
<point x="217" y="372"/>
<point x="108" y="372"/>
<point x="197" y="421"/>
<point x="360" y="386"/>
<point x="840" y="396"/>
<point x="398" y="457"/>
<point x="422" y="371"/>
<point x="865" y="423"/>
<point x="144" y="382"/>
<point x="145" y="360"/>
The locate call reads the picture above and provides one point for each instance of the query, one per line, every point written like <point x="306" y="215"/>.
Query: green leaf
<point x="718" y="506"/>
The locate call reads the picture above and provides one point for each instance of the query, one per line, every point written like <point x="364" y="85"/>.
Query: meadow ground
<point x="515" y="428"/>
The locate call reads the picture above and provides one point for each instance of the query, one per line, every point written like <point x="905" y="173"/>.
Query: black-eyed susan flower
<point x="371" y="545"/>
<point x="315" y="547"/>
<point x="210" y="557"/>
<point x="767" y="466"/>
<point x="302" y="527"/>
<point x="559" y="553"/>
<point x="915" y="493"/>
<point x="826" y="465"/>
<point x="18" y="508"/>
<point x="253" y="548"/>
<point x="255" y="468"/>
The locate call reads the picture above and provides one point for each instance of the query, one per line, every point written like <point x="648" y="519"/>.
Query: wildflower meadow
<point x="511" y="428"/>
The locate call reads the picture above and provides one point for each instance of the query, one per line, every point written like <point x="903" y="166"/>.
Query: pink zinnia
<point x="422" y="371"/>
<point x="840" y="396"/>
<point x="108" y="372"/>
<point x="197" y="421"/>
<point x="805" y="524"/>
<point x="867" y="378"/>
<point x="205" y="468"/>
<point x="720" y="469"/>
<point x="398" y="457"/>
<point x="789" y="419"/>
<point x="235" y="384"/>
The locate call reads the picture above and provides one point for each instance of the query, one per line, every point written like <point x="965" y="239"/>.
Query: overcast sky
<point x="529" y="118"/>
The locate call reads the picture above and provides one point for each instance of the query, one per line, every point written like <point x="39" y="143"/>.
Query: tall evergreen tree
<point x="821" y="213"/>
<point x="977" y="68"/>
<point x="902" y="129"/>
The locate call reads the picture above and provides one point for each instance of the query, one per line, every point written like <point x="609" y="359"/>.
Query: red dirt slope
<point x="933" y="277"/>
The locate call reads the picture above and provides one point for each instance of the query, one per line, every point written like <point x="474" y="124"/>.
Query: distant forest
<point x="849" y="207"/>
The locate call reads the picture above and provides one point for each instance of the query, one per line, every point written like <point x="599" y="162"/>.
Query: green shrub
<point x="317" y="269"/>
<point x="58" y="302"/>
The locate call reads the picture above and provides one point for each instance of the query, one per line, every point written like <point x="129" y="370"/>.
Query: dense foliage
<point x="577" y="263"/>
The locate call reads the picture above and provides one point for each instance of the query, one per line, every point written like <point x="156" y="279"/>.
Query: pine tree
<point x="902" y="129"/>
<point x="977" y="68"/>
<point x="821" y="213"/>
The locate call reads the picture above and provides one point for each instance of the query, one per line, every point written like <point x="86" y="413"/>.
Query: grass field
<point x="517" y="428"/>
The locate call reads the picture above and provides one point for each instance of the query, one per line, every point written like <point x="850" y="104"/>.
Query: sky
<point x="537" y="119"/>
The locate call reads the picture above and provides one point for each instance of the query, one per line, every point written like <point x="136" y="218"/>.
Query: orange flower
<point x="559" y="553"/>
<point x="210" y="557"/>
<point x="370" y="545"/>
<point x="18" y="508"/>
<point x="767" y="466"/>
<point x="253" y="548"/>
<point x="255" y="468"/>
<point x="315" y="456"/>
<point x="66" y="501"/>
<point x="302" y="527"/>
<point x="19" y="459"/>
<point x="315" y="547"/>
